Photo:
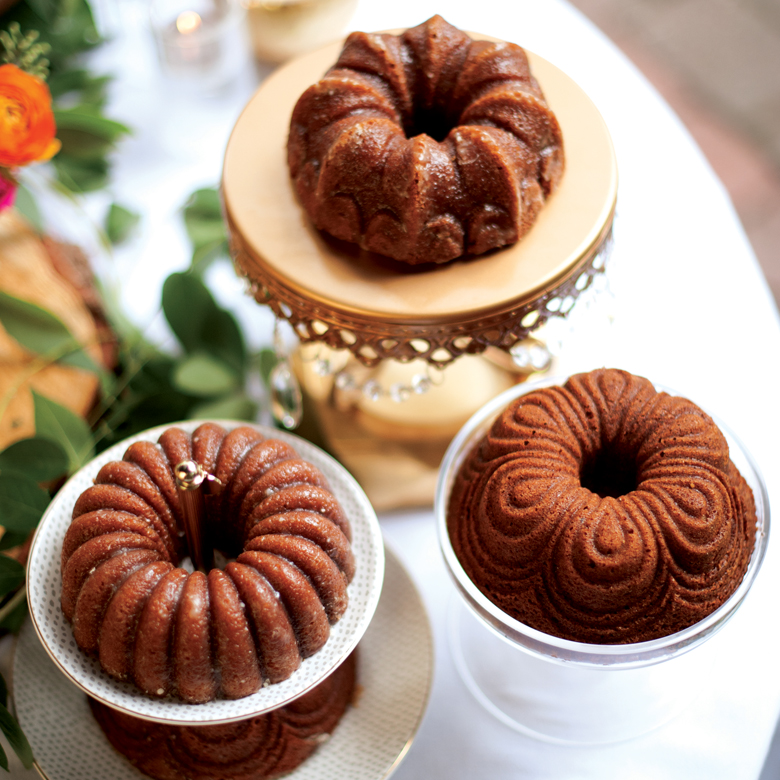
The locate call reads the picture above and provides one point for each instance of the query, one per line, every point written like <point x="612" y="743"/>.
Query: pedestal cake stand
<point x="381" y="330"/>
<point x="66" y="719"/>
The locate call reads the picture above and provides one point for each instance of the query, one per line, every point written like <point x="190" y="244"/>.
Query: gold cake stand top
<point x="345" y="297"/>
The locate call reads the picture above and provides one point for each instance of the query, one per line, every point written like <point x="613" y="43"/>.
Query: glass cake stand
<point x="569" y="692"/>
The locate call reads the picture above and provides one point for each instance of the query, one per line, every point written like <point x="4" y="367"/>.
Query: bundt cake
<point x="425" y="146"/>
<point x="603" y="511"/>
<point x="192" y="634"/>
<point x="259" y="748"/>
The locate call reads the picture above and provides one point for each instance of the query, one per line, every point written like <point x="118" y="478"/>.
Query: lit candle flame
<point x="187" y="22"/>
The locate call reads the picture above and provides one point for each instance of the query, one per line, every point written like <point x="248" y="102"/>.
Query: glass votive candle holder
<point x="201" y="43"/>
<point x="283" y="29"/>
<point x="569" y="692"/>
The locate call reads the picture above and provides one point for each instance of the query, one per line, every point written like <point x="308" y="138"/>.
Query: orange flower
<point x="26" y="121"/>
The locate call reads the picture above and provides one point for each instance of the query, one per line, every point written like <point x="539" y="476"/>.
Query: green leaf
<point x="83" y="150"/>
<point x="81" y="359"/>
<point x="120" y="223"/>
<point x="187" y="304"/>
<point x="3" y="692"/>
<point x="39" y="331"/>
<point x="233" y="407"/>
<point x="58" y="423"/>
<point x="199" y="324"/>
<point x="205" y="228"/>
<point x="11" y="575"/>
<point x="203" y="217"/>
<point x="204" y="232"/>
<point x="16" y="738"/>
<point x="153" y="376"/>
<point x="81" y="175"/>
<point x="87" y="120"/>
<point x="203" y="204"/>
<point x="222" y="336"/>
<point x="71" y="80"/>
<point x="3" y="759"/>
<point x="33" y="327"/>
<point x="25" y="204"/>
<point x="90" y="89"/>
<point x="12" y="539"/>
<point x="46" y="9"/>
<point x="40" y="459"/>
<point x="201" y="374"/>
<point x="22" y="502"/>
<point x="205" y="254"/>
<point x="15" y="618"/>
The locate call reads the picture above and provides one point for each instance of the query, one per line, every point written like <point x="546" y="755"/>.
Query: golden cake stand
<point x="362" y="311"/>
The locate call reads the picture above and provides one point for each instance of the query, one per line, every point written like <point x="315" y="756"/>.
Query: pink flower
<point x="7" y="193"/>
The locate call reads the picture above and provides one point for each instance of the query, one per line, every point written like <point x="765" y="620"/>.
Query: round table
<point x="691" y="308"/>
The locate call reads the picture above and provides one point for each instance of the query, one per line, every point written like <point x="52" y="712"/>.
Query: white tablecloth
<point x="693" y="313"/>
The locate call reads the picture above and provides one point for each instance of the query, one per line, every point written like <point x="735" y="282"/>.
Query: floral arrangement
<point x="62" y="31"/>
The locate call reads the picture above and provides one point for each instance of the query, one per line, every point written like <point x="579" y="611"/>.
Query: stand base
<point x="568" y="704"/>
<point x="393" y="448"/>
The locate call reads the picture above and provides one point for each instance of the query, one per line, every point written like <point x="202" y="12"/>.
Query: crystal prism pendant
<point x="530" y="356"/>
<point x="286" y="399"/>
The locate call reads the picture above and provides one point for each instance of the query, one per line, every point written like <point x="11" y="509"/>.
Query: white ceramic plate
<point x="44" y="584"/>
<point x="395" y="668"/>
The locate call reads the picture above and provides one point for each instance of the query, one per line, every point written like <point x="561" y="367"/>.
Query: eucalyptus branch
<point x="109" y="400"/>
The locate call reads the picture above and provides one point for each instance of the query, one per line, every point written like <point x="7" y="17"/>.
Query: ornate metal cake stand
<point x="373" y="311"/>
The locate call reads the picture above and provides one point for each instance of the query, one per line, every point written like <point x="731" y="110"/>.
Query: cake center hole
<point x="430" y="122"/>
<point x="193" y="483"/>
<point x="609" y="474"/>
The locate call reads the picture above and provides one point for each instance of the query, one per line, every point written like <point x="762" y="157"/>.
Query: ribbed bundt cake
<point x="426" y="145"/>
<point x="603" y="511"/>
<point x="195" y="635"/>
<point x="259" y="748"/>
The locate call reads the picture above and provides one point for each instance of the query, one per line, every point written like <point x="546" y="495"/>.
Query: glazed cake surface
<point x="260" y="748"/>
<point x="425" y="146"/>
<point x="226" y="632"/>
<point x="603" y="511"/>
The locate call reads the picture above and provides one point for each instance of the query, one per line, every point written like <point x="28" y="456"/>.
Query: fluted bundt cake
<point x="425" y="146"/>
<point x="192" y="634"/>
<point x="259" y="748"/>
<point x="603" y="511"/>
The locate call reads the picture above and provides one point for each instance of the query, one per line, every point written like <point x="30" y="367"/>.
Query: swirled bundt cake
<point x="603" y="511"/>
<point x="224" y="633"/>
<point x="425" y="146"/>
<point x="259" y="748"/>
